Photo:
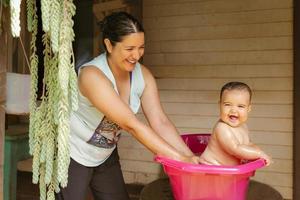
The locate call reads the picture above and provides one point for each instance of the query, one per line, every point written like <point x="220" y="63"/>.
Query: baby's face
<point x="234" y="107"/>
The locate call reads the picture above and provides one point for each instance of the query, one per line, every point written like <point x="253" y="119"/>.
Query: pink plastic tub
<point x="207" y="182"/>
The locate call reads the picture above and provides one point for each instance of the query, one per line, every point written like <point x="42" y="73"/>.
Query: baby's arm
<point x="267" y="158"/>
<point x="232" y="146"/>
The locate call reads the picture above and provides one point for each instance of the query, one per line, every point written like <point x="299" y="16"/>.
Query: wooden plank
<point x="25" y="165"/>
<point x="207" y="122"/>
<point x="204" y="96"/>
<point x="129" y="177"/>
<point x="100" y="7"/>
<point x="207" y="84"/>
<point x="137" y="155"/>
<point x="96" y="39"/>
<point x="212" y="109"/>
<point x="280" y="166"/>
<point x="146" y="178"/>
<point x="128" y="141"/>
<point x="218" y="58"/>
<point x="3" y="55"/>
<point x="278" y="179"/>
<point x="258" y="137"/>
<point x="269" y="124"/>
<point x="278" y="151"/>
<point x="139" y="177"/>
<point x="217" y="19"/>
<point x="278" y="138"/>
<point x="241" y="44"/>
<point x="140" y="166"/>
<point x="222" y="71"/>
<point x="255" y="124"/>
<point x="2" y="94"/>
<point x="221" y="32"/>
<point x="159" y="8"/>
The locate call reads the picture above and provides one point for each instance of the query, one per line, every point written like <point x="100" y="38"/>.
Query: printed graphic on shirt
<point x="106" y="135"/>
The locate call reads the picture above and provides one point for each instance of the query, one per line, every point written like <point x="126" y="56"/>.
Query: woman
<point x="112" y="88"/>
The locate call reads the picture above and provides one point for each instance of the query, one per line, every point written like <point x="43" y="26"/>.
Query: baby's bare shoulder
<point x="221" y="127"/>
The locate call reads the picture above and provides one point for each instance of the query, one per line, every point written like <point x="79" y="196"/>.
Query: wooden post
<point x="296" y="122"/>
<point x="5" y="43"/>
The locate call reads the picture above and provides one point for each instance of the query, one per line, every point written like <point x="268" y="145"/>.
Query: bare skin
<point x="160" y="137"/>
<point x="229" y="143"/>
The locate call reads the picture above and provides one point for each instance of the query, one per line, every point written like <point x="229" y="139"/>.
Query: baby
<point x="229" y="143"/>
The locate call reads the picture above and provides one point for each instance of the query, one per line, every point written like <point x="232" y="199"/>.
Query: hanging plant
<point x="49" y="121"/>
<point x="15" y="17"/>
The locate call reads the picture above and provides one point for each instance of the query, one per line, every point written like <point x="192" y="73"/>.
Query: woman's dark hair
<point x="236" y="86"/>
<point x="119" y="24"/>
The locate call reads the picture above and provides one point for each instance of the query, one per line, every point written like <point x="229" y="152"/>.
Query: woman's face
<point x="125" y="54"/>
<point x="234" y="107"/>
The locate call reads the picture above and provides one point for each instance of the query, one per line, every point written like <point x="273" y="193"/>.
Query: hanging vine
<point x="49" y="120"/>
<point x="15" y="17"/>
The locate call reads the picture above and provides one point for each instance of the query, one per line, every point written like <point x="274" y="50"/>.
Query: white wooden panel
<point x="280" y="166"/>
<point x="237" y="44"/>
<point x="207" y="122"/>
<point x="169" y="8"/>
<point x="203" y="96"/>
<point x="207" y="84"/>
<point x="129" y="142"/>
<point x="270" y="124"/>
<point x="129" y="177"/>
<point x="221" y="32"/>
<point x="278" y="151"/>
<point x="278" y="138"/>
<point x="249" y="17"/>
<point x="140" y="166"/>
<point x="255" y="124"/>
<point x="140" y="154"/>
<point x="274" y="111"/>
<point x="146" y="178"/>
<point x="217" y="58"/>
<point x="277" y="179"/>
<point x="222" y="71"/>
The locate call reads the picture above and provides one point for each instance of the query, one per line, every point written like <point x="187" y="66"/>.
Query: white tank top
<point x="93" y="137"/>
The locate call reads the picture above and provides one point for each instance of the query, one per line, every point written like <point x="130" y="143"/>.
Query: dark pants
<point x="105" y="181"/>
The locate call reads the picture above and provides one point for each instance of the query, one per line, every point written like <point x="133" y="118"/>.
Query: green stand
<point x="16" y="149"/>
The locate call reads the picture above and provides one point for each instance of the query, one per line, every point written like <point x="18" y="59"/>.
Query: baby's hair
<point x="119" y="24"/>
<point x="236" y="86"/>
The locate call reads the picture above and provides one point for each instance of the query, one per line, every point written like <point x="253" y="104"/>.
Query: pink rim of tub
<point x="209" y="169"/>
<point x="207" y="182"/>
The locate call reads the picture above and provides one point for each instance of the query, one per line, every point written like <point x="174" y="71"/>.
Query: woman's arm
<point x="156" y="116"/>
<point x="94" y="85"/>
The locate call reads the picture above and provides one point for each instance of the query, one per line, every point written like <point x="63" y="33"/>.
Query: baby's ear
<point x="249" y="108"/>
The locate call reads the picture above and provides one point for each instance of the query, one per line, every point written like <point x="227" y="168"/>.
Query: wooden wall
<point x="194" y="47"/>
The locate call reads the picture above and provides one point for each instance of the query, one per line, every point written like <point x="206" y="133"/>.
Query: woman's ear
<point x="108" y="45"/>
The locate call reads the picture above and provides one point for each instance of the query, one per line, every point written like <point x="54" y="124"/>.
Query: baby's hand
<point x="267" y="158"/>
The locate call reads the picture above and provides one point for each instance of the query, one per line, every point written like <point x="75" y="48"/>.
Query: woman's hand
<point x="191" y="159"/>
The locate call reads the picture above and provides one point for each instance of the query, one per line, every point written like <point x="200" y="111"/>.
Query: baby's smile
<point x="233" y="117"/>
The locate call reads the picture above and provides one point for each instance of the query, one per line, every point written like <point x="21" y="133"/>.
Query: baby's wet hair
<point x="235" y="85"/>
